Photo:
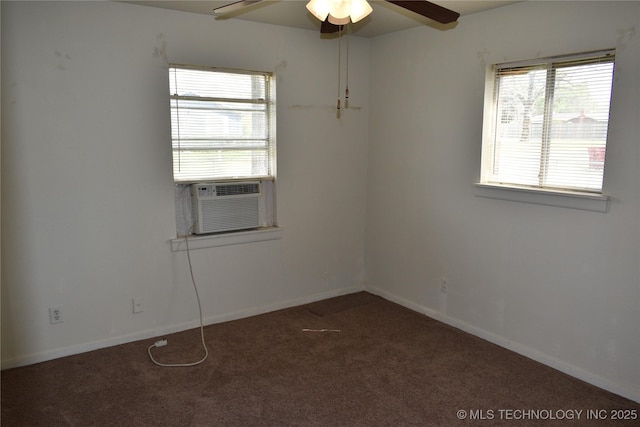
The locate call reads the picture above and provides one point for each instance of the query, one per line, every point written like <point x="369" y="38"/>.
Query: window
<point x="222" y="124"/>
<point x="546" y="122"/>
<point x="222" y="129"/>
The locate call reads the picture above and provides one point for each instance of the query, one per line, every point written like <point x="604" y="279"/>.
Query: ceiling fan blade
<point x="232" y="7"/>
<point x="428" y="10"/>
<point x="327" y="27"/>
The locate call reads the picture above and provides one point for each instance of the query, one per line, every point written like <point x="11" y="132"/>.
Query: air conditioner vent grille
<point x="229" y="214"/>
<point x="237" y="189"/>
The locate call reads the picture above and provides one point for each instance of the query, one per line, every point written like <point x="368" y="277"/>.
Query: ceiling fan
<point x="335" y="13"/>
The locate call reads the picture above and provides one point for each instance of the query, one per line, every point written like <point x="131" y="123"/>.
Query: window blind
<point x="221" y="124"/>
<point x="549" y="122"/>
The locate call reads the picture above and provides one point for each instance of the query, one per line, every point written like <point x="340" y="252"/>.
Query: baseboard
<point x="516" y="347"/>
<point x="170" y="329"/>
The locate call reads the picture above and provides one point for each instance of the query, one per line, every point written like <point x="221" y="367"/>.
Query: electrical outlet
<point x="444" y="282"/>
<point x="55" y="314"/>
<point x="137" y="305"/>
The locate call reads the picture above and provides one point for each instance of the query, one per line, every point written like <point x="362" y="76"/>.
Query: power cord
<point x="163" y="343"/>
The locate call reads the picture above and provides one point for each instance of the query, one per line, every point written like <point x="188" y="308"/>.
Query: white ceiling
<point x="386" y="17"/>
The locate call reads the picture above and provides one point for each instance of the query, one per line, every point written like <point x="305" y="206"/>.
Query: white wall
<point x="87" y="197"/>
<point x="87" y="192"/>
<point x="559" y="285"/>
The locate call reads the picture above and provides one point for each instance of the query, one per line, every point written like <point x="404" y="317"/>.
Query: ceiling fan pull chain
<point x="339" y="55"/>
<point x="346" y="91"/>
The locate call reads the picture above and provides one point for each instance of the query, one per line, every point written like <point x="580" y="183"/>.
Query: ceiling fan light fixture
<point x="339" y="12"/>
<point x="319" y="8"/>
<point x="338" y="21"/>
<point x="359" y="9"/>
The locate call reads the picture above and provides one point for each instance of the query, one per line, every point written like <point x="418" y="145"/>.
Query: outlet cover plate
<point x="55" y="314"/>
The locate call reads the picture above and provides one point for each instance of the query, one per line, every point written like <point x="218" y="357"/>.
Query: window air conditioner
<point x="225" y="206"/>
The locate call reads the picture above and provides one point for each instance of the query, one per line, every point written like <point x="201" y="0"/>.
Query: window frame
<point x="577" y="198"/>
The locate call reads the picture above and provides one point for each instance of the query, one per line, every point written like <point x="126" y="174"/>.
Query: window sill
<point x="227" y="239"/>
<point x="564" y="199"/>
